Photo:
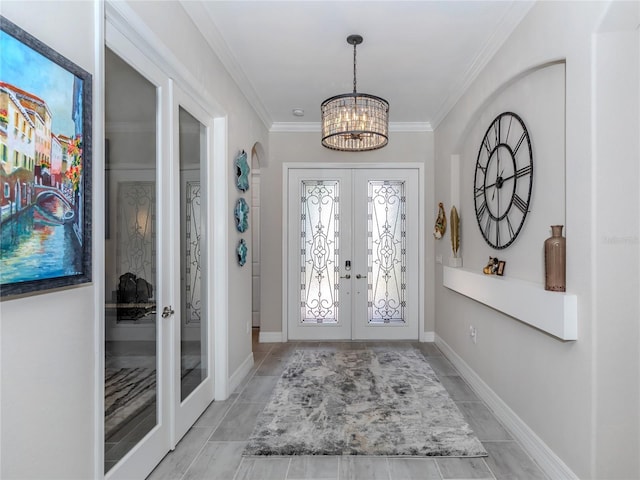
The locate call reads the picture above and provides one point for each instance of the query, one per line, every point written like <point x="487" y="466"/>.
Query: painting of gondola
<point x="45" y="166"/>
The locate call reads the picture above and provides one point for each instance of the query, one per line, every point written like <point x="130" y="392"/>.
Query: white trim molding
<point x="242" y="371"/>
<point x="428" y="336"/>
<point x="271" y="337"/>
<point x="539" y="451"/>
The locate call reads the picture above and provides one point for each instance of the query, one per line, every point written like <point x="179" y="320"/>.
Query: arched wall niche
<point x="478" y="113"/>
<point x="538" y="96"/>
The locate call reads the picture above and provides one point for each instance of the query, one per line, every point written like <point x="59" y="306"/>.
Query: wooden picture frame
<point x="500" y="270"/>
<point x="45" y="166"/>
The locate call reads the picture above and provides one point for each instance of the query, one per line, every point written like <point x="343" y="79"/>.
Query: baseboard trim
<point x="236" y="378"/>
<point x="428" y="337"/>
<point x="270" y="337"/>
<point x="548" y="461"/>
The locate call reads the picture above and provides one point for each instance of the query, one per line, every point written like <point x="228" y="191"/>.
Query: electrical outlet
<point x="473" y="334"/>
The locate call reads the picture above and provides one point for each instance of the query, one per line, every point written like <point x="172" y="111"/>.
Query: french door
<point x="158" y="355"/>
<point x="352" y="254"/>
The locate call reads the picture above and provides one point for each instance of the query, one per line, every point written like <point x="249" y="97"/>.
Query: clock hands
<point x="498" y="183"/>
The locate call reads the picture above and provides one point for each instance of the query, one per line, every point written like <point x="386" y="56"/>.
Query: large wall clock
<point x="503" y="180"/>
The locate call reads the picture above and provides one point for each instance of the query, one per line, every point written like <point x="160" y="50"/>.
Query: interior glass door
<point x="137" y="306"/>
<point x="193" y="376"/>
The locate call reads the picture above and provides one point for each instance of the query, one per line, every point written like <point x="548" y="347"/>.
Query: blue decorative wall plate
<point x="242" y="171"/>
<point x="241" y="251"/>
<point x="242" y="215"/>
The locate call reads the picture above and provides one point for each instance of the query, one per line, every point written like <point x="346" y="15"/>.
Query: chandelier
<point x="355" y="122"/>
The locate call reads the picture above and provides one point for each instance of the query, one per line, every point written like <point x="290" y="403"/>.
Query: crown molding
<point x="297" y="127"/>
<point x="410" y="127"/>
<point x="314" y="127"/>
<point x="509" y="22"/>
<point x="208" y="29"/>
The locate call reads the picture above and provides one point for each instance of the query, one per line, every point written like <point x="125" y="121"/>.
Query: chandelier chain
<point x="354" y="67"/>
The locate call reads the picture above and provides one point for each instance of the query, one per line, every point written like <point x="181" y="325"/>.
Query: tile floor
<point x="212" y="449"/>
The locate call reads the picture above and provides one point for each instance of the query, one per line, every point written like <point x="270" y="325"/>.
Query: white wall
<point x="617" y="240"/>
<point x="581" y="398"/>
<point x="47" y="340"/>
<point x="287" y="147"/>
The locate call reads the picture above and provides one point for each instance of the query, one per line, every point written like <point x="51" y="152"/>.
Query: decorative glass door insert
<point x="387" y="251"/>
<point x="319" y="262"/>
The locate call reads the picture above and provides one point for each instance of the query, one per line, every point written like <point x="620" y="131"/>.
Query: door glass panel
<point x="193" y="330"/>
<point x="130" y="258"/>
<point x="386" y="252"/>
<point x="319" y="263"/>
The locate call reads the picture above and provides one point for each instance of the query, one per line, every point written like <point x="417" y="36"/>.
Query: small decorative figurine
<point x="441" y="223"/>
<point x="492" y="266"/>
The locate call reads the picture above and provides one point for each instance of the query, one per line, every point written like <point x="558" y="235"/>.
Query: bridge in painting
<point x="44" y="190"/>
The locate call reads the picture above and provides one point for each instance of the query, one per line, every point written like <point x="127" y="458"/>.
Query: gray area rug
<point x="362" y="402"/>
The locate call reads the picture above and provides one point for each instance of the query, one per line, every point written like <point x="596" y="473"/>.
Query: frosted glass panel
<point x="319" y="250"/>
<point x="386" y="254"/>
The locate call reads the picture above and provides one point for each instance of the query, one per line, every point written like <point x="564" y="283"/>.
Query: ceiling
<point x="418" y="55"/>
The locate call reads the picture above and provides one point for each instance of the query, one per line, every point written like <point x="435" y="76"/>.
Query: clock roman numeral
<point x="496" y="131"/>
<point x="524" y="171"/>
<point x="506" y="140"/>
<point x="487" y="145"/>
<point x="478" y="191"/>
<point x="481" y="209"/>
<point x="487" y="227"/>
<point x="520" y="203"/>
<point x="497" y="234"/>
<point x="512" y="233"/>
<point x="522" y="137"/>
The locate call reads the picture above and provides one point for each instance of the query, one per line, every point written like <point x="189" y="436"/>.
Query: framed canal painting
<point x="45" y="166"/>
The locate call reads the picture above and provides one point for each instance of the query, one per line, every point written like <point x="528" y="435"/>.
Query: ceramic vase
<point x="555" y="260"/>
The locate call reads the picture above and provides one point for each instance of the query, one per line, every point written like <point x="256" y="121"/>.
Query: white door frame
<point x="286" y="167"/>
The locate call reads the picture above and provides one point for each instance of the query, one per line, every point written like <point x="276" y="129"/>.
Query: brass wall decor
<point x="455" y="231"/>
<point x="441" y="223"/>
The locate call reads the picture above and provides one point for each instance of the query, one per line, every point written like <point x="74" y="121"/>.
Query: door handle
<point x="358" y="276"/>
<point x="167" y="311"/>
<point x="347" y="276"/>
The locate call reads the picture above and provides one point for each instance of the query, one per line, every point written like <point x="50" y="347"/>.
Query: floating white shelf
<point x="553" y="312"/>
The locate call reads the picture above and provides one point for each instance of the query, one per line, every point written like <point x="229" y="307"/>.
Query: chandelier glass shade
<point x="355" y="122"/>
